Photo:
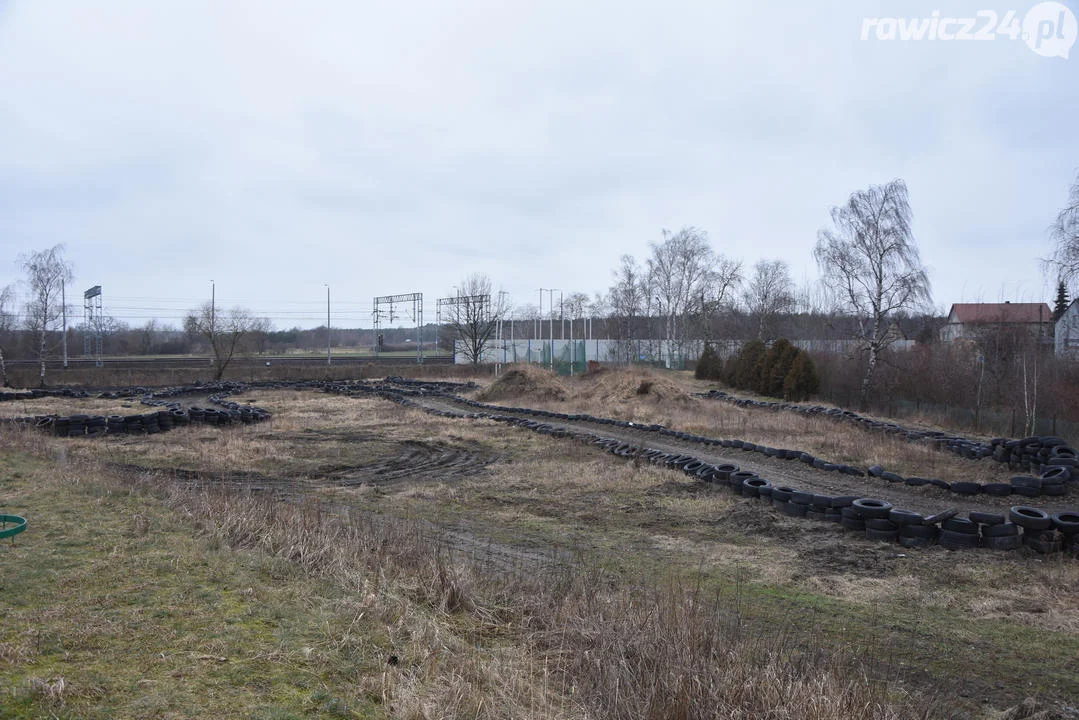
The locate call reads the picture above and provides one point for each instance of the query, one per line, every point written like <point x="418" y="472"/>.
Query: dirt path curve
<point x="925" y="499"/>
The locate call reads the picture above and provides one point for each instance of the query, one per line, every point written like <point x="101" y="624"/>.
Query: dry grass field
<point x="356" y="558"/>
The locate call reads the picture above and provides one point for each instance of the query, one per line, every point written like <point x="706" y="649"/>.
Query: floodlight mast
<point x="551" y="292"/>
<point x="92" y="318"/>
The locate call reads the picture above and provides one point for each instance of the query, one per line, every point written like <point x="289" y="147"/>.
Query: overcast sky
<point x="395" y="147"/>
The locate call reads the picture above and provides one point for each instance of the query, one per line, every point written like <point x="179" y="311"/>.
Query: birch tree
<point x="1065" y="257"/>
<point x="626" y="300"/>
<point x="871" y="258"/>
<point x="7" y="324"/>
<point x="46" y="273"/>
<point x="688" y="281"/>
<point x="769" y="293"/>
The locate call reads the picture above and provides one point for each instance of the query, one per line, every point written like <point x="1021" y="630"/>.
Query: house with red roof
<point x="970" y="321"/>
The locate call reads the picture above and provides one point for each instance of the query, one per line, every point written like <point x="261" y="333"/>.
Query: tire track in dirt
<point x="926" y="499"/>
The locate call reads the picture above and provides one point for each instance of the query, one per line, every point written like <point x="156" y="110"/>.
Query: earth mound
<point x="524" y="382"/>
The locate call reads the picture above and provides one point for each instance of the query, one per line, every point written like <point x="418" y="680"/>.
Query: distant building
<point x="969" y="321"/>
<point x="1066" y="341"/>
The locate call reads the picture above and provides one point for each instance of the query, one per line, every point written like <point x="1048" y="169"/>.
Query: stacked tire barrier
<point x="871" y="518"/>
<point x="1052" y="460"/>
<point x="164" y="416"/>
<point x="1021" y="454"/>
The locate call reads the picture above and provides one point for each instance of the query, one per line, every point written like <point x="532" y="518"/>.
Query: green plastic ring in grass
<point x="5" y="531"/>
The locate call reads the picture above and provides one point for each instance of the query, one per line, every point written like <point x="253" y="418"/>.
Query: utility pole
<point x="539" y="324"/>
<point x="561" y="316"/>
<point x="213" y="325"/>
<point x="550" y="302"/>
<point x="501" y="326"/>
<point x="572" y="349"/>
<point x="63" y="312"/>
<point x="328" y="337"/>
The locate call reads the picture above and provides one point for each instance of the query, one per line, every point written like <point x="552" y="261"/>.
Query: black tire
<point x="881" y="524"/>
<point x="1045" y="547"/>
<point x="1056" y="472"/>
<point x="1054" y="490"/>
<point x="855" y="524"/>
<point x="1026" y="481"/>
<point x="781" y="493"/>
<point x="919" y="531"/>
<point x="960" y="525"/>
<point x="723" y="472"/>
<point x="1026" y="491"/>
<point x="881" y="535"/>
<point x="1030" y="518"/>
<point x="917" y="481"/>
<point x="792" y="509"/>
<point x="940" y="517"/>
<point x="1002" y="530"/>
<point x="801" y="498"/>
<point x="843" y="501"/>
<point x="1003" y="542"/>
<point x="755" y="485"/>
<point x="872" y="507"/>
<point x="1067" y="522"/>
<point x="905" y="517"/>
<point x="1042" y="535"/>
<point x="892" y="477"/>
<point x="997" y="489"/>
<point x="958" y="540"/>
<point x="984" y="518"/>
<point x="966" y="488"/>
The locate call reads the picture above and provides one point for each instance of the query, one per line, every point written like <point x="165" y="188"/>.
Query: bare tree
<point x="1065" y="257"/>
<point x="576" y="304"/>
<point x="872" y="259"/>
<point x="769" y="293"/>
<point x="7" y="324"/>
<point x="626" y="300"/>
<point x="575" y="308"/>
<point x="261" y="327"/>
<point x="46" y="273"/>
<point x="148" y="337"/>
<point x="223" y="330"/>
<point x="688" y="281"/>
<point x="473" y="317"/>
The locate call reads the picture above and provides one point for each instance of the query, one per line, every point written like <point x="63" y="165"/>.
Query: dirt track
<point x="925" y="499"/>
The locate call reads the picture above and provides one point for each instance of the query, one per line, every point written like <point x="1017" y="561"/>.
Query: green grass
<point x="114" y="607"/>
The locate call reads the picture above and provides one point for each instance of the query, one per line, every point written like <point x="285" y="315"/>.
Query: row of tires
<point x="869" y="517"/>
<point x="167" y="416"/>
<point x="1050" y="483"/>
<point x="1053" y="473"/>
<point x="1020" y="454"/>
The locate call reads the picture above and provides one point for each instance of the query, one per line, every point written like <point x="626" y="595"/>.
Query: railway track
<point x="129" y="363"/>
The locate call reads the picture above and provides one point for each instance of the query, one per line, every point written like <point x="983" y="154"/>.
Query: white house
<point x="1067" y="332"/>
